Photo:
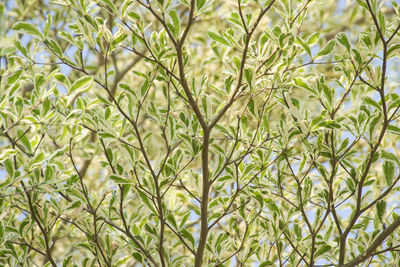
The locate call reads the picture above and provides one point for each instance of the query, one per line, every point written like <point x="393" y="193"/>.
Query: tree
<point x="199" y="133"/>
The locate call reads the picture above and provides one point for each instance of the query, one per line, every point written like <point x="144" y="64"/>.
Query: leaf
<point x="327" y="92"/>
<point x="330" y="124"/>
<point x="1" y="231"/>
<point x="24" y="140"/>
<point x="266" y="263"/>
<point x="393" y="129"/>
<point x="368" y="100"/>
<point x="322" y="250"/>
<point x="248" y="74"/>
<point x="184" y="220"/>
<point x="366" y="40"/>
<point x="343" y="40"/>
<point x="55" y="48"/>
<point x="313" y="39"/>
<point x="137" y="256"/>
<point x="392" y="49"/>
<point x="381" y="207"/>
<point x="357" y="56"/>
<point x="297" y="230"/>
<point x="82" y="84"/>
<point x="362" y="3"/>
<point x="186" y="234"/>
<point x="49" y="173"/>
<point x="119" y="38"/>
<point x="47" y="25"/>
<point x="295" y="102"/>
<point x="200" y="4"/>
<point x="388" y="171"/>
<point x="146" y="201"/>
<point x="251" y="106"/>
<point x="22" y="49"/>
<point x="218" y="38"/>
<point x="9" y="166"/>
<point x="120" y="179"/>
<point x="304" y="45"/>
<point x="67" y="260"/>
<point x="382" y="22"/>
<point x="302" y="83"/>
<point x="27" y="28"/>
<point x="7" y="50"/>
<point x="125" y="6"/>
<point x="390" y="156"/>
<point x="111" y="5"/>
<point x="144" y="88"/>
<point x="14" y="77"/>
<point x="175" y="20"/>
<point x="237" y="63"/>
<point x="328" y="48"/>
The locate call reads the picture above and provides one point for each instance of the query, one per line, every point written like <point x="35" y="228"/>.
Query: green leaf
<point x="175" y="20"/>
<point x="24" y="140"/>
<point x="218" y="38"/>
<point x="14" y="77"/>
<point x="144" y="88"/>
<point x="111" y="5"/>
<point x="248" y="74"/>
<point x="200" y="4"/>
<point x="125" y="6"/>
<point x="343" y="40"/>
<point x="49" y="173"/>
<point x="328" y="48"/>
<point x="9" y="166"/>
<point x="304" y="45"/>
<point x="388" y="171"/>
<point x="120" y="179"/>
<point x="297" y="230"/>
<point x="390" y="156"/>
<point x="186" y="234"/>
<point x="366" y="40"/>
<point x="82" y="84"/>
<point x="381" y="207"/>
<point x="393" y="129"/>
<point x="302" y="83"/>
<point x="237" y="63"/>
<point x="1" y="231"/>
<point x="22" y="49"/>
<point x="357" y="56"/>
<point x="47" y="25"/>
<point x="327" y="92"/>
<point x="137" y="256"/>
<point x="7" y="50"/>
<point x="104" y="135"/>
<point x="382" y="22"/>
<point x="2" y="8"/>
<point x="27" y="28"/>
<point x="325" y="248"/>
<point x="7" y="153"/>
<point x="368" y="100"/>
<point x="330" y="124"/>
<point x="251" y="106"/>
<point x="392" y="49"/>
<point x="118" y="39"/>
<point x="146" y="201"/>
<point x="266" y="263"/>
<point x="313" y="39"/>
<point x="55" y="48"/>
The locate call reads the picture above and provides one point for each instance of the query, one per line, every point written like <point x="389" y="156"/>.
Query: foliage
<point x="199" y="133"/>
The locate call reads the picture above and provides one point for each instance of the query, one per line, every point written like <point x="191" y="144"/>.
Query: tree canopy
<point x="199" y="133"/>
